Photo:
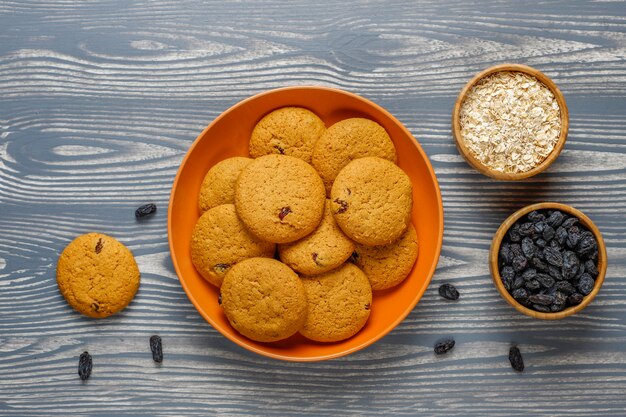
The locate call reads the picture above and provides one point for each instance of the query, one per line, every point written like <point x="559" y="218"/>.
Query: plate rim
<point x="392" y="325"/>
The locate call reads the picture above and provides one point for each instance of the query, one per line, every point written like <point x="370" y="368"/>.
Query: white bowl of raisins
<point x="548" y="260"/>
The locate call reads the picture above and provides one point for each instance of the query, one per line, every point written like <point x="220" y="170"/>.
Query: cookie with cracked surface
<point x="97" y="275"/>
<point x="339" y="303"/>
<point x="387" y="266"/>
<point x="371" y="200"/>
<point x="347" y="140"/>
<point x="280" y="198"/>
<point x="324" y="249"/>
<point x="220" y="240"/>
<point x="264" y="299"/>
<point x="287" y="131"/>
<point x="218" y="186"/>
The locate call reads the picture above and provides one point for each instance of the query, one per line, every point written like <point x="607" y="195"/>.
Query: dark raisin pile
<point x="548" y="261"/>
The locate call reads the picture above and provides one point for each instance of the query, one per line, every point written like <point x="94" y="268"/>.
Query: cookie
<point x="339" y="302"/>
<point x="220" y="240"/>
<point x="264" y="299"/>
<point x="280" y="198"/>
<point x="371" y="200"/>
<point x="97" y="275"/>
<point x="347" y="140"/>
<point x="218" y="186"/>
<point x="287" y="131"/>
<point x="387" y="266"/>
<point x="324" y="249"/>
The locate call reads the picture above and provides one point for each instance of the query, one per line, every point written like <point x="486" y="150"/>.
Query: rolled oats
<point x="510" y="121"/>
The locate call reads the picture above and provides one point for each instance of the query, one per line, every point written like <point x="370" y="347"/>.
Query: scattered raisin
<point x="539" y="264"/>
<point x="587" y="245"/>
<point x="528" y="248"/>
<point x="444" y="346"/>
<point x="314" y="255"/>
<point x="520" y="295"/>
<point x="555" y="272"/>
<point x="560" y="300"/>
<point x="513" y="234"/>
<point x="565" y="287"/>
<point x="95" y="306"/>
<point x="449" y="292"/>
<point x="505" y="255"/>
<point x="145" y="210"/>
<point x="553" y="257"/>
<point x="516" y="250"/>
<point x="570" y="265"/>
<point x="575" y="299"/>
<point x="591" y="268"/>
<point x="529" y="274"/>
<point x="284" y="212"/>
<point x="542" y="299"/>
<point x="99" y="245"/>
<point x="280" y="149"/>
<point x="368" y="306"/>
<point x="569" y="222"/>
<point x="527" y="229"/>
<point x="343" y="206"/>
<point x="535" y="216"/>
<point x="519" y="263"/>
<point x="507" y="275"/>
<point x="354" y="257"/>
<point x="555" y="219"/>
<point x="533" y="285"/>
<point x="221" y="268"/>
<point x="560" y="235"/>
<point x="545" y="280"/>
<point x="539" y="228"/>
<point x="548" y="233"/>
<point x="156" y="347"/>
<point x="573" y="236"/>
<point x="515" y="357"/>
<point x="586" y="284"/>
<point x="84" y="365"/>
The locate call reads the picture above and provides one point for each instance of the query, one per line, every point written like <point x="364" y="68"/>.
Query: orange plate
<point x="228" y="136"/>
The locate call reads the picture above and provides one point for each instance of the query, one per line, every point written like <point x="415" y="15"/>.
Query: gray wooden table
<point x="100" y="100"/>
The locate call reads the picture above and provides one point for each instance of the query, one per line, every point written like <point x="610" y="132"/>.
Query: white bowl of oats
<point x="510" y="122"/>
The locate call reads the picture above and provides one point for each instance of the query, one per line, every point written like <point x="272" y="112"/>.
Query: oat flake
<point x="510" y="121"/>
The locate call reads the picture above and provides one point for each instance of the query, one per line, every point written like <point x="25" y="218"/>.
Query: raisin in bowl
<point x="548" y="260"/>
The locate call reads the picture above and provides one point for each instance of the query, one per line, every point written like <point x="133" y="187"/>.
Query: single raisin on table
<point x="444" y="346"/>
<point x="84" y="365"/>
<point x="145" y="210"/>
<point x="515" y="357"/>
<point x="156" y="347"/>
<point x="449" y="292"/>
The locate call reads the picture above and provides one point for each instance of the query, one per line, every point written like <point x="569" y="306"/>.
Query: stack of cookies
<point x="297" y="236"/>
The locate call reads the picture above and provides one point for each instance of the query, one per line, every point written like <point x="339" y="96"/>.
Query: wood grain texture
<point x="99" y="101"/>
